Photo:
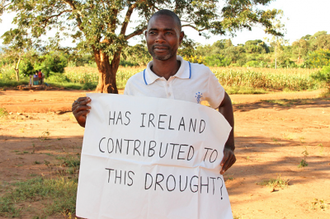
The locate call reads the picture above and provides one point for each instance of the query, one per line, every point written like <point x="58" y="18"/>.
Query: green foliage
<point x="195" y="59"/>
<point x="252" y="64"/>
<point x="136" y="55"/>
<point x="95" y="25"/>
<point x="217" y="61"/>
<point x="318" y="58"/>
<point x="52" y="62"/>
<point x="256" y="46"/>
<point x="26" y="68"/>
<point x="323" y="75"/>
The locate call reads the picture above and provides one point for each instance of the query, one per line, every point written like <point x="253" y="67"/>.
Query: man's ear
<point x="181" y="37"/>
<point x="145" y="34"/>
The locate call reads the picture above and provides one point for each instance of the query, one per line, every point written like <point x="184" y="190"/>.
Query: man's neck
<point x="166" y="68"/>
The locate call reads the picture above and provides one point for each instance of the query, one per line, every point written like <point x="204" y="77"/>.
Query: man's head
<point x="169" y="14"/>
<point x="164" y="35"/>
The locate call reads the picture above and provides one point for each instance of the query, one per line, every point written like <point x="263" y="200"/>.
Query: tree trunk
<point x="16" y="68"/>
<point x="107" y="72"/>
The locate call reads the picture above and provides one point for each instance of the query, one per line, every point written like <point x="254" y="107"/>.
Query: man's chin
<point x="162" y="57"/>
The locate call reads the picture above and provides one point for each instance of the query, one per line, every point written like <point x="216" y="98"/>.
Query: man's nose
<point x="160" y="38"/>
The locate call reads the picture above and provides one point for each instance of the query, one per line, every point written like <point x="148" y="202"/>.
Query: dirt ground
<point x="272" y="137"/>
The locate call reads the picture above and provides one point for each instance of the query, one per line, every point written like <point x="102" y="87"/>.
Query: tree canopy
<point x="102" y="26"/>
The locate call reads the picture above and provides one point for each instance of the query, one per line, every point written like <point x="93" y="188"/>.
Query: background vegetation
<point x="248" y="68"/>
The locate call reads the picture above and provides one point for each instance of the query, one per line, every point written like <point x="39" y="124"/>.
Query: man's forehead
<point x="167" y="20"/>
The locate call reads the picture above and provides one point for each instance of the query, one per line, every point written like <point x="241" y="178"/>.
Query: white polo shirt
<point x="193" y="82"/>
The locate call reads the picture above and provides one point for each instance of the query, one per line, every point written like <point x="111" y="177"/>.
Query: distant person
<point x="35" y="78"/>
<point x="41" y="77"/>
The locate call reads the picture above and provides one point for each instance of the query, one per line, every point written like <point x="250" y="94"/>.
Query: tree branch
<point x="135" y="33"/>
<point x="74" y="9"/>
<point x="46" y="19"/>
<point x="127" y="18"/>
<point x="189" y="25"/>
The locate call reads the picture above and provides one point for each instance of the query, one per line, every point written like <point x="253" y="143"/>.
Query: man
<point x="169" y="76"/>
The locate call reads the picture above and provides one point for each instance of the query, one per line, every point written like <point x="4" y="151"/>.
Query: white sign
<point x="152" y="158"/>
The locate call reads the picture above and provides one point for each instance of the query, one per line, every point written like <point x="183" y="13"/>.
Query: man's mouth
<point x="160" y="48"/>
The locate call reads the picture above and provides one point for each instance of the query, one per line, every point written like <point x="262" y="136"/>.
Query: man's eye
<point x="152" y="32"/>
<point x="168" y="33"/>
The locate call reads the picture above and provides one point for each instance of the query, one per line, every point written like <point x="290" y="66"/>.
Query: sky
<point x="301" y="17"/>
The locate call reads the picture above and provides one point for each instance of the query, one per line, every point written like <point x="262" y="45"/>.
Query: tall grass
<point x="86" y="74"/>
<point x="271" y="81"/>
<point x="237" y="79"/>
<point x="8" y="77"/>
<point x="234" y="79"/>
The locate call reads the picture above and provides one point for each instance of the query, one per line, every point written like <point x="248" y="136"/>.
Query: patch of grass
<point x="20" y="152"/>
<point x="45" y="135"/>
<point x="47" y="163"/>
<point x="245" y="90"/>
<point x="3" y="113"/>
<point x="319" y="204"/>
<point x="303" y="162"/>
<point x="275" y="183"/>
<point x="72" y="164"/>
<point x="60" y="192"/>
<point x="72" y="161"/>
<point x="322" y="148"/>
<point x="283" y="102"/>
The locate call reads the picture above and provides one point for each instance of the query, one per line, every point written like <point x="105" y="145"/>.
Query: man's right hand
<point x="80" y="109"/>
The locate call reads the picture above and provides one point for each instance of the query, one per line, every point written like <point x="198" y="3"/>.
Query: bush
<point x="323" y="75"/>
<point x="252" y="64"/>
<point x="318" y="59"/>
<point x="53" y="62"/>
<point x="217" y="61"/>
<point x="26" y="68"/>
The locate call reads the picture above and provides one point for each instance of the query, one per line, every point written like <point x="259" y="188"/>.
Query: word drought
<point x="168" y="182"/>
<point x="194" y="184"/>
<point x="158" y="121"/>
<point x="143" y="148"/>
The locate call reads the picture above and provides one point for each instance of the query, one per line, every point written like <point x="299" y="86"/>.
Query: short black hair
<point x="168" y="13"/>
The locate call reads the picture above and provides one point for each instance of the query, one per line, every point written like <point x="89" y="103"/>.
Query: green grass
<point x="3" y="113"/>
<point x="275" y="183"/>
<point x="58" y="197"/>
<point x="303" y="163"/>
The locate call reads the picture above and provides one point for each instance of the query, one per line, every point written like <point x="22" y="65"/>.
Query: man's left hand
<point x="228" y="160"/>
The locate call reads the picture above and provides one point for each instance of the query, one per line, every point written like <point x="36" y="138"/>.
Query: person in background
<point x="41" y="77"/>
<point x="35" y="78"/>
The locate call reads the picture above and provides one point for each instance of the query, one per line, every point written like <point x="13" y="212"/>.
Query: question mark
<point x="221" y="186"/>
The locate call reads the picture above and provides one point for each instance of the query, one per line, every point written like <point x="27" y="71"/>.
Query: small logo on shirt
<point x="198" y="96"/>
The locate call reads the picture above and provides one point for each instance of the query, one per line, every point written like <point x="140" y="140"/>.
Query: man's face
<point x="163" y="37"/>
